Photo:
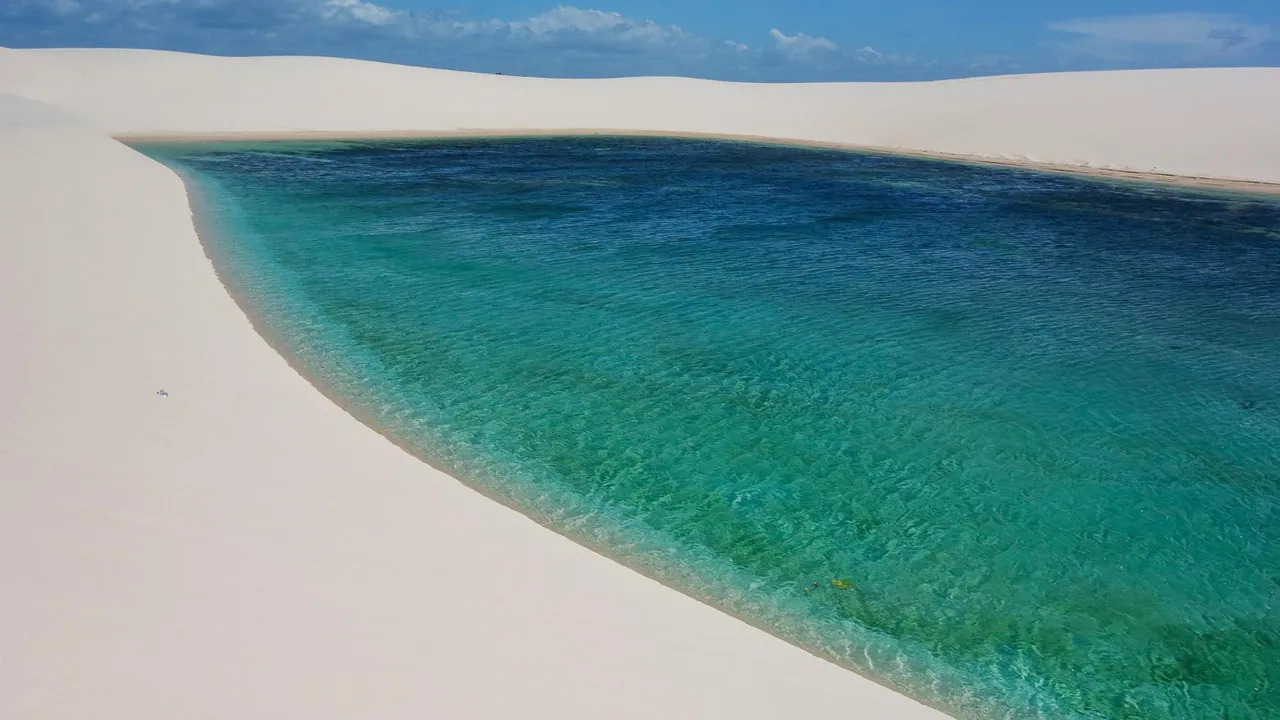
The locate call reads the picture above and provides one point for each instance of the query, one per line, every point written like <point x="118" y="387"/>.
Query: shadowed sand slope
<point x="242" y="548"/>
<point x="1215" y="123"/>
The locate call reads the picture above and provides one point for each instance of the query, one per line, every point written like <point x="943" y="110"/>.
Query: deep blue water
<point x="1006" y="441"/>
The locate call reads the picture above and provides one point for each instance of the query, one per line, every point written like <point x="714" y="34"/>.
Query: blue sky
<point x="756" y="40"/>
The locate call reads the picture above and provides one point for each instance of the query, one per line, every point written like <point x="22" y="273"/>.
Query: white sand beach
<point x="242" y="548"/>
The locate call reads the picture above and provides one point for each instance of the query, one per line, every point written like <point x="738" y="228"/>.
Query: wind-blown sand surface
<point x="243" y="548"/>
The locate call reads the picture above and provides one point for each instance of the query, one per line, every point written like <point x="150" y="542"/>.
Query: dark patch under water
<point x="1007" y="441"/>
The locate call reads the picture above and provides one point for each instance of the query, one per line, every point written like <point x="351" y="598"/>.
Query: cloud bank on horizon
<point x="572" y="41"/>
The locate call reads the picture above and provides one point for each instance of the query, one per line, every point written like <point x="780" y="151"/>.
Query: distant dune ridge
<point x="239" y="547"/>
<point x="1212" y="123"/>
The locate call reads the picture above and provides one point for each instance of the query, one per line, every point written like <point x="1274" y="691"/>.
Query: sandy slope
<point x="1218" y="123"/>
<point x="244" y="549"/>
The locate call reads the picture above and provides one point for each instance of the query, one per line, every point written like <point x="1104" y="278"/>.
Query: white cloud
<point x="801" y="45"/>
<point x="565" y="18"/>
<point x="363" y="11"/>
<point x="871" y="57"/>
<point x="1191" y="35"/>
<point x="564" y="21"/>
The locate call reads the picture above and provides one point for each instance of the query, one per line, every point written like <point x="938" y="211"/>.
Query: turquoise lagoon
<point x="1006" y="441"/>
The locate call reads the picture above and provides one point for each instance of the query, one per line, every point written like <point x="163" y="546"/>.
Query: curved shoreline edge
<point x="242" y="547"/>
<point x="204" y="230"/>
<point x="200" y="211"/>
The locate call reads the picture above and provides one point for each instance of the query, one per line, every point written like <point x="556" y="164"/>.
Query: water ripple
<point x="1006" y="441"/>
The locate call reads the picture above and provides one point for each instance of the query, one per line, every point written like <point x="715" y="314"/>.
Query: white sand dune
<point x="1213" y="123"/>
<point x="244" y="549"/>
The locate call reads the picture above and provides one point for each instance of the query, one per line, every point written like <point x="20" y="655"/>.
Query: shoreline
<point x="204" y="230"/>
<point x="245" y="547"/>
<point x="1225" y="185"/>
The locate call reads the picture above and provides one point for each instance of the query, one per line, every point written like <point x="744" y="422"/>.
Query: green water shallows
<point x="1030" y="422"/>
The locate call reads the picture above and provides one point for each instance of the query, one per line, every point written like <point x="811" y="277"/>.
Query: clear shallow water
<point x="1029" y="423"/>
